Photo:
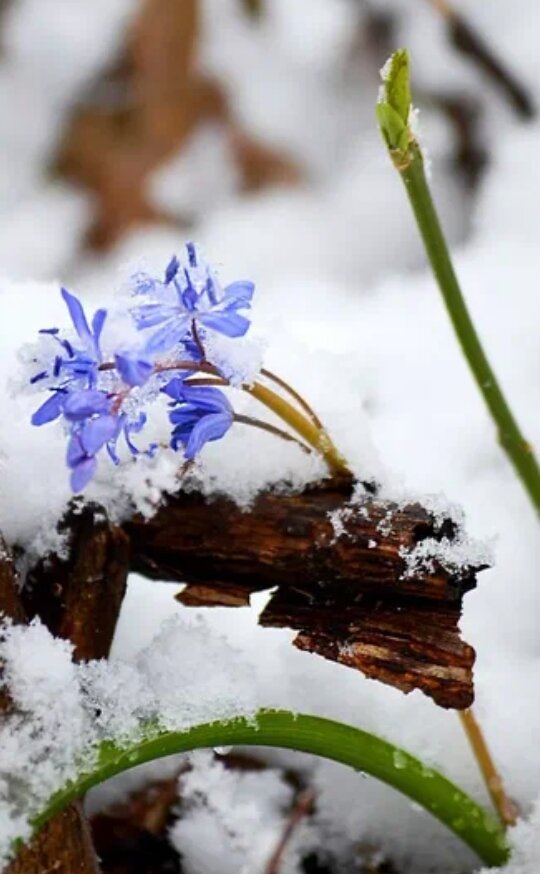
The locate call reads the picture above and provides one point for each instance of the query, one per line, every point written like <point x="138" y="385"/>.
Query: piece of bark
<point x="349" y="596"/>
<point x="64" y="844"/>
<point x="79" y="597"/>
<point x="10" y="602"/>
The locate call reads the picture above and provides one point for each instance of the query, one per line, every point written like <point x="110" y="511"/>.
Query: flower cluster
<point x="100" y="394"/>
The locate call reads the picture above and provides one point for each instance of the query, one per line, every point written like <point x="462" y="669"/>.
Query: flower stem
<point x="505" y="807"/>
<point x="310" y="734"/>
<point x="271" y="429"/>
<point x="517" y="448"/>
<point x="294" y="394"/>
<point x="316" y="437"/>
<point x="394" y="112"/>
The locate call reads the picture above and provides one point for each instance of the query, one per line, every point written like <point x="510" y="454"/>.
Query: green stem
<point x="303" y="426"/>
<point x="321" y="737"/>
<point x="513" y="442"/>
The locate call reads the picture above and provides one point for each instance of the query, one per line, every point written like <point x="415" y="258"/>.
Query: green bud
<point x="394" y="104"/>
<point x="397" y="85"/>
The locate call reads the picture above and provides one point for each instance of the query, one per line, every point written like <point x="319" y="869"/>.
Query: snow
<point x="223" y="810"/>
<point x="525" y="843"/>
<point x="346" y="312"/>
<point x="185" y="677"/>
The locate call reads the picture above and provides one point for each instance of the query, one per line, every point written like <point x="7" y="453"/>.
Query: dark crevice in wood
<point x="79" y="597"/>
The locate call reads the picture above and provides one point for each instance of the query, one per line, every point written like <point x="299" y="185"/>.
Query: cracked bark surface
<point x="347" y="596"/>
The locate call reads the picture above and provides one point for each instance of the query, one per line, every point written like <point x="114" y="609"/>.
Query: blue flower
<point x="134" y="367"/>
<point x="200" y="414"/>
<point x="81" y="404"/>
<point x="127" y="428"/>
<point x="82" y="363"/>
<point x="85" y="442"/>
<point x="75" y="369"/>
<point x="51" y="409"/>
<point x="189" y="295"/>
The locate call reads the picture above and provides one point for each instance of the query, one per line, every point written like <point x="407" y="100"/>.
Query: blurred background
<point x="128" y="125"/>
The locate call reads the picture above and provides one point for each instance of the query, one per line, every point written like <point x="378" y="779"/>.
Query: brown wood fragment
<point x="79" y="597"/>
<point x="64" y="844"/>
<point x="10" y="602"/>
<point x="215" y="596"/>
<point x="346" y="595"/>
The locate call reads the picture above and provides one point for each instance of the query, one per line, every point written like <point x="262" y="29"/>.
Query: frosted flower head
<point x="199" y="415"/>
<point x="188" y="298"/>
<point x="102" y="391"/>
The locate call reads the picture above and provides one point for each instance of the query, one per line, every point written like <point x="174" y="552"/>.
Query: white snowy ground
<point x="351" y="318"/>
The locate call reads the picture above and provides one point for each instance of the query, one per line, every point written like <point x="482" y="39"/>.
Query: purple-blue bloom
<point x="191" y="294"/>
<point x="76" y="369"/>
<point x="200" y="414"/>
<point x="85" y="442"/>
<point x="127" y="428"/>
<point x="51" y="409"/>
<point x="93" y="394"/>
<point x="81" y="404"/>
<point x="134" y="367"/>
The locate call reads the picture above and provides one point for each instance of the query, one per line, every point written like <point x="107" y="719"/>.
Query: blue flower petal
<point x="175" y="387"/>
<point x="134" y="367"/>
<point x="185" y="416"/>
<point x="172" y="269"/>
<point x="97" y="432"/>
<point x="207" y="398"/>
<point x="139" y="423"/>
<point x="150" y="314"/>
<point x="77" y="316"/>
<point x="75" y="450"/>
<point x="168" y="336"/>
<point x="232" y="324"/>
<point x="240" y="292"/>
<point x="81" y="404"/>
<point x="82" y="474"/>
<point x="188" y="296"/>
<point x="50" y="410"/>
<point x="97" y="326"/>
<point x="192" y="254"/>
<point x="210" y="427"/>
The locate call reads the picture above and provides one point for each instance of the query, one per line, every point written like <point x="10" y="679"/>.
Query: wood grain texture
<point x="348" y="595"/>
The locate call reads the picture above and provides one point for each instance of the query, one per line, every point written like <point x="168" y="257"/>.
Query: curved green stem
<point x="513" y="442"/>
<point x="321" y="737"/>
<point x="315" y="436"/>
